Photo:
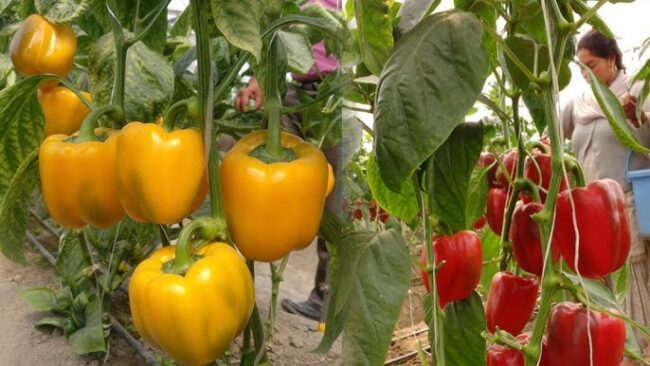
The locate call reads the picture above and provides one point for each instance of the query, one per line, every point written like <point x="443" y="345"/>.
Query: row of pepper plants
<point x="119" y="187"/>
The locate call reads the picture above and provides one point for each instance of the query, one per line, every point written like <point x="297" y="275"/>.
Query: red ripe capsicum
<point x="510" y="164"/>
<point x="510" y="302"/>
<point x="525" y="239"/>
<point x="497" y="201"/>
<point x="603" y="228"/>
<point x="499" y="355"/>
<point x="568" y="338"/>
<point x="461" y="272"/>
<point x="539" y="169"/>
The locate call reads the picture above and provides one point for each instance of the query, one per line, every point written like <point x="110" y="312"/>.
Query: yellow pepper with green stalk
<point x="274" y="208"/>
<point x="40" y="47"/>
<point x="78" y="178"/>
<point x="63" y="110"/>
<point x="161" y="175"/>
<point x="191" y="303"/>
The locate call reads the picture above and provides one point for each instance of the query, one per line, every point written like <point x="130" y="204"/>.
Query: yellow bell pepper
<point x="161" y="176"/>
<point x="192" y="316"/>
<point x="272" y="209"/>
<point x="78" y="181"/>
<point x="63" y="110"/>
<point x="41" y="47"/>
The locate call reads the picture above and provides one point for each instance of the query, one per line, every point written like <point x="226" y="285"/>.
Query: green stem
<point x="588" y="14"/>
<point x="573" y="166"/>
<point x="276" y="279"/>
<point x="224" y="84"/>
<point x="87" y="131"/>
<point x="511" y="55"/>
<point x="204" y="228"/>
<point x="156" y="13"/>
<point x="169" y="119"/>
<point x="544" y="221"/>
<point x="255" y="326"/>
<point x="163" y="236"/>
<point x="322" y="96"/>
<point x="438" y="349"/>
<point x="120" y="74"/>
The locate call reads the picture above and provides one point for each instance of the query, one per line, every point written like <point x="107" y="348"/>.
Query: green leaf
<point x="40" y="298"/>
<point x="352" y="137"/>
<point x="299" y="56"/>
<point x="14" y="209"/>
<point x="183" y="24"/>
<point x="612" y="109"/>
<point x="644" y="72"/>
<point x="453" y="164"/>
<point x="375" y="32"/>
<point x="403" y="205"/>
<point x="430" y="81"/>
<point x="535" y="105"/>
<point x="21" y="127"/>
<point x="529" y="19"/>
<point x="410" y="14"/>
<point x="72" y="259"/>
<point x="621" y="281"/>
<point x="491" y="251"/>
<point x="90" y="338"/>
<point x="463" y="325"/>
<point x="238" y="21"/>
<point x="149" y="79"/>
<point x="476" y="195"/>
<point x="370" y="275"/>
<point x="643" y="95"/>
<point x="62" y="11"/>
<point x="487" y="14"/>
<point x="526" y="49"/>
<point x="52" y="321"/>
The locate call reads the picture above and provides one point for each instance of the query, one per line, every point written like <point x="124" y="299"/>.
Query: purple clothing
<point x="323" y="64"/>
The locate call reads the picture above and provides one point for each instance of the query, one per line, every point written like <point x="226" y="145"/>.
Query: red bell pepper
<point x="539" y="170"/>
<point x="568" y="339"/>
<point x="485" y="160"/>
<point x="510" y="163"/>
<point x="460" y="274"/>
<point x="525" y="239"/>
<point x="499" y="355"/>
<point x="510" y="302"/>
<point x="602" y="222"/>
<point x="497" y="201"/>
<point x="480" y="222"/>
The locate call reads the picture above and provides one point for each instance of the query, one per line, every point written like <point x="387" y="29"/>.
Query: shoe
<point x="308" y="309"/>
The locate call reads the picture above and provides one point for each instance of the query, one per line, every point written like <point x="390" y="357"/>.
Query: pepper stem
<point x="169" y="119"/>
<point x="87" y="131"/>
<point x="202" y="227"/>
<point x="575" y="169"/>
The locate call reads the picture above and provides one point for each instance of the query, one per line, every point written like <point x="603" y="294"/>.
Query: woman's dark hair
<point x="602" y="46"/>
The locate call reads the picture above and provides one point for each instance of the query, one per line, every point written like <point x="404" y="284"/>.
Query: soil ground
<point x="21" y="344"/>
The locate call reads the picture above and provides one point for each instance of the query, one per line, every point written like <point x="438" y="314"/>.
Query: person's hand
<point x="244" y="95"/>
<point x="629" y="107"/>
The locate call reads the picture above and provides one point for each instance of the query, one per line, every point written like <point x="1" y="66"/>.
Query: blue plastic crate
<point x="640" y="180"/>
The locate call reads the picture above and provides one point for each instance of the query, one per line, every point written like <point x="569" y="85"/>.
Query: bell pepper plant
<point x="460" y="271"/>
<point x="272" y="209"/>
<point x="161" y="175"/>
<point x="510" y="302"/>
<point x="602" y="240"/>
<point x="576" y="336"/>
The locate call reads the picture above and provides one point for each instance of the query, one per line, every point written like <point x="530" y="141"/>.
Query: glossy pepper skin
<point x="41" y="47"/>
<point x="568" y="339"/>
<point x="460" y="274"/>
<point x="487" y="159"/>
<point x="497" y="200"/>
<point x="272" y="209"/>
<point x="510" y="164"/>
<point x="78" y="181"/>
<point x="193" y="317"/>
<point x="510" y="302"/>
<point x="161" y="176"/>
<point x="63" y="110"/>
<point x="602" y="224"/>
<point x="525" y="239"/>
<point x="499" y="355"/>
<point x="539" y="170"/>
